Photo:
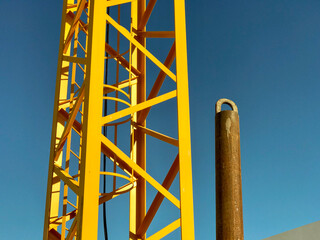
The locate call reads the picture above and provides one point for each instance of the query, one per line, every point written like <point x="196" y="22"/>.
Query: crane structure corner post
<point x="78" y="144"/>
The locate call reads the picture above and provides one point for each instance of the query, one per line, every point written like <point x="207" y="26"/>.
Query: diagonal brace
<point x="172" y="173"/>
<point x="113" y="53"/>
<point x="67" y="179"/>
<point x="165" y="231"/>
<point x="127" y="34"/>
<point x="147" y="14"/>
<point x="121" y="156"/>
<point x="158" y="83"/>
<point x="73" y="229"/>
<point x="70" y="122"/>
<point x="80" y="9"/>
<point x="138" y="107"/>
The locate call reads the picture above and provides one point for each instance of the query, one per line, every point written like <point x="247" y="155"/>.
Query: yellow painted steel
<point x="77" y="142"/>
<point x="138" y="107"/>
<point x="133" y="209"/>
<point x="186" y="194"/>
<point x="165" y="231"/>
<point x="53" y="188"/>
<point x="130" y="37"/>
<point x="90" y="157"/>
<point x="157" y="135"/>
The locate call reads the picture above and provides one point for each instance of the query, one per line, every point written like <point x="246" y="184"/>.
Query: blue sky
<point x="264" y="55"/>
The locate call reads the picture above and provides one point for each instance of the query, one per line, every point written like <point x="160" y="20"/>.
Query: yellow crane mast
<point x="75" y="169"/>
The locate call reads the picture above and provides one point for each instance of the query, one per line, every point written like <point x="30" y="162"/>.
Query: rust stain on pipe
<point x="229" y="216"/>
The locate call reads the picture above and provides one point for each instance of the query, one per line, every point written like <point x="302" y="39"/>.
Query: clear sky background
<point x="264" y="55"/>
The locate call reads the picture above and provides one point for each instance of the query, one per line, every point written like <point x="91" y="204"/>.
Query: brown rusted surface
<point x="229" y="216"/>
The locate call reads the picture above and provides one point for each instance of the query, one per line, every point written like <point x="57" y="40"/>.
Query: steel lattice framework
<point x="77" y="143"/>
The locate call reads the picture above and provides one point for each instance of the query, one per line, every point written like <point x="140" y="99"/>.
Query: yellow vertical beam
<point x="91" y="150"/>
<point x="138" y="95"/>
<point x="140" y="136"/>
<point x="133" y="154"/>
<point x="186" y="195"/>
<point x="53" y="189"/>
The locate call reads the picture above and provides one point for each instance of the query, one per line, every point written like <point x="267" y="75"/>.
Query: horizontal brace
<point x="73" y="9"/>
<point x="138" y="107"/>
<point x="74" y="59"/>
<point x="136" y="168"/>
<point x="72" y="6"/>
<point x="157" y="34"/>
<point x="67" y="179"/>
<point x="66" y="103"/>
<point x="157" y="135"/>
<point x="111" y="3"/>
<point x="128" y="35"/>
<point x="165" y="231"/>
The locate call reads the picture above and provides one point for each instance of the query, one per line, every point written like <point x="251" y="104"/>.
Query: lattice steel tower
<point x="85" y="104"/>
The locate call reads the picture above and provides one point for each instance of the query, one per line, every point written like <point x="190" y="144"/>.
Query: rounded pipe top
<point x="225" y="101"/>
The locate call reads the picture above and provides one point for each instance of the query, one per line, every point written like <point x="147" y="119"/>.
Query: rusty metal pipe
<point x="229" y="216"/>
